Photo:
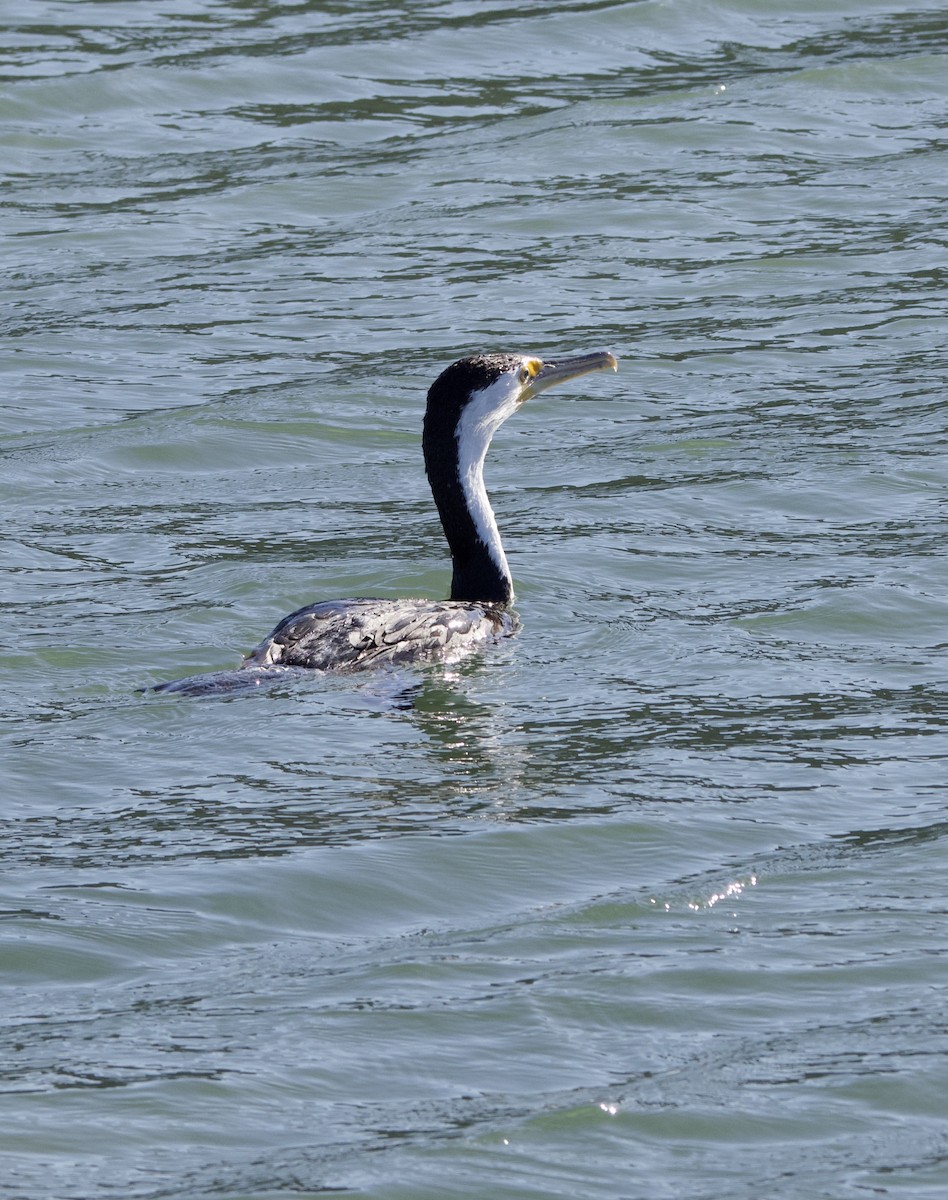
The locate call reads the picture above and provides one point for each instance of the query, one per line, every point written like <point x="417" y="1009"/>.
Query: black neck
<point x="476" y="575"/>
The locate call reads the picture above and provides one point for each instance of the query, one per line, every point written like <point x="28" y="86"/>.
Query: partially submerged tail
<point x="223" y="683"/>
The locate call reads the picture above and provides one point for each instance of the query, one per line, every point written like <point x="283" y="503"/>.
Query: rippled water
<point x="648" y="902"/>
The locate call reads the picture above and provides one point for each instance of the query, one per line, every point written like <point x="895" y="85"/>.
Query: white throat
<point x="483" y="415"/>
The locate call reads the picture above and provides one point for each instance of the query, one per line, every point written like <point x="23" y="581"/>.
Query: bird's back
<point x="351" y="635"/>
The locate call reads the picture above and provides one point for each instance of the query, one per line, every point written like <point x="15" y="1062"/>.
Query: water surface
<point x="648" y="902"/>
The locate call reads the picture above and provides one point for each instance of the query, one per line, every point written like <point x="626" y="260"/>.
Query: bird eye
<point x="528" y="370"/>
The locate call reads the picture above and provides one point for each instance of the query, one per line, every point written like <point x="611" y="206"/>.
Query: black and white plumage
<point x="467" y="404"/>
<point x="352" y="635"/>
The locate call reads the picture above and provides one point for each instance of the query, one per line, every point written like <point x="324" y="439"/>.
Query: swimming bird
<point x="467" y="404"/>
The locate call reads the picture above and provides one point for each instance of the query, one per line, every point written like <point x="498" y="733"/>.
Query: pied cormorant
<point x="467" y="404"/>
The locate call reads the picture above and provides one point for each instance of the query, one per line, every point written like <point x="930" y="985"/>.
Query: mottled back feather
<point x="352" y="635"/>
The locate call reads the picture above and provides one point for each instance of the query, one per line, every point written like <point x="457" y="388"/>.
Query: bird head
<point x="479" y="393"/>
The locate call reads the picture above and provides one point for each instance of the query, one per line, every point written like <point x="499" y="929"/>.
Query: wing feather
<point x="350" y="635"/>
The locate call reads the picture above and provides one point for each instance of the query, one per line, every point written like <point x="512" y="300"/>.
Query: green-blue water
<point x="647" y="903"/>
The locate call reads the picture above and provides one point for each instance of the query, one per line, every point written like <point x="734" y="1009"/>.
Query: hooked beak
<point x="564" y="369"/>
